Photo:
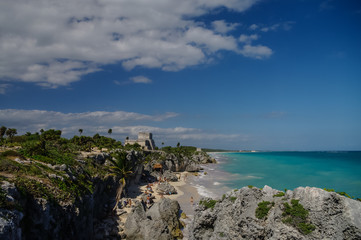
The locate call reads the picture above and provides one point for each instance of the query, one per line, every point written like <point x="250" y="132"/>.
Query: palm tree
<point x="120" y="168"/>
<point x="80" y="131"/>
<point x="110" y="131"/>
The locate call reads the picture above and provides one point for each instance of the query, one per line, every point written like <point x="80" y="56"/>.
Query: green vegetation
<point x="296" y="216"/>
<point x="341" y="193"/>
<point x="263" y="209"/>
<point x="210" y="203"/>
<point x="26" y="164"/>
<point x="233" y="199"/>
<point x="122" y="169"/>
<point x="250" y="186"/>
<point x="279" y="194"/>
<point x="223" y="196"/>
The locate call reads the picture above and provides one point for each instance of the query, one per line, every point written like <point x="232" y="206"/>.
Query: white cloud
<point x="286" y="26"/>
<point x="223" y="27"/>
<point x="54" y="43"/>
<point x="253" y="27"/>
<point x="34" y="120"/>
<point x="140" y="79"/>
<point x="248" y="38"/>
<point x="258" y="52"/>
<point x="3" y="87"/>
<point x="122" y="124"/>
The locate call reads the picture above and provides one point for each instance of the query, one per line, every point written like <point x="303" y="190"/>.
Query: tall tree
<point x="110" y="131"/>
<point x="122" y="169"/>
<point x="80" y="131"/>
<point x="11" y="132"/>
<point x="2" y="131"/>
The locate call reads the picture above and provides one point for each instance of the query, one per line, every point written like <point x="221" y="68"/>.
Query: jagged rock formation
<point x="180" y="163"/>
<point x="159" y="222"/>
<point x="233" y="217"/>
<point x="166" y="188"/>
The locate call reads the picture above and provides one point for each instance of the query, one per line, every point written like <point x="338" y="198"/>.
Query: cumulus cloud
<point x="54" y="43"/>
<point x="258" y="52"/>
<point x="222" y="26"/>
<point x="122" y="124"/>
<point x="248" y="38"/>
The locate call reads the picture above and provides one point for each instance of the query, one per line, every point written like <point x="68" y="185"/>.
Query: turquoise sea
<point x="340" y="171"/>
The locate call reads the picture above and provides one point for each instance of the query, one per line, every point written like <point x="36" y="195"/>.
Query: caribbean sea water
<point x="340" y="171"/>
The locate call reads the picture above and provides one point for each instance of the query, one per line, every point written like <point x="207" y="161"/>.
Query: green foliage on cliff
<point x="263" y="209"/>
<point x="180" y="150"/>
<point x="296" y="216"/>
<point x="280" y="194"/>
<point x="210" y="203"/>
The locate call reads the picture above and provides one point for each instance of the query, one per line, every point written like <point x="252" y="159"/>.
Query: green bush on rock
<point x="263" y="209"/>
<point x="296" y="216"/>
<point x="210" y="203"/>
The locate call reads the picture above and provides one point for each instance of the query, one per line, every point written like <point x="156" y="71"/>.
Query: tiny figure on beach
<point x="192" y="200"/>
<point x="130" y="202"/>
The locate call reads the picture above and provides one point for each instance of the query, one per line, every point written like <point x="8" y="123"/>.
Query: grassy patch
<point x="280" y="194"/>
<point x="208" y="203"/>
<point x="233" y="199"/>
<point x="296" y="216"/>
<point x="263" y="209"/>
<point x="250" y="186"/>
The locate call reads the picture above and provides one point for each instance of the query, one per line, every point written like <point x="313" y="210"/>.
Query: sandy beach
<point x="184" y="193"/>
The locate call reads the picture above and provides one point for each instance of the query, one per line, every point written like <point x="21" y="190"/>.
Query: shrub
<point x="233" y="199"/>
<point x="296" y="216"/>
<point x="250" y="186"/>
<point x="210" y="203"/>
<point x="263" y="209"/>
<point x="344" y="194"/>
<point x="223" y="196"/>
<point x="280" y="194"/>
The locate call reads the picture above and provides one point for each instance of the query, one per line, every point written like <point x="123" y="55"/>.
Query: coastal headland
<point x="95" y="188"/>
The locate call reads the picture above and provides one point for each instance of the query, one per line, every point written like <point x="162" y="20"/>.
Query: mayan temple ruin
<point x="145" y="140"/>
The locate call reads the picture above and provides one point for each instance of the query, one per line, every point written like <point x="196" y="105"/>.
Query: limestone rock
<point x="10" y="224"/>
<point x="171" y="176"/>
<point x="334" y="216"/>
<point x="159" y="222"/>
<point x="166" y="188"/>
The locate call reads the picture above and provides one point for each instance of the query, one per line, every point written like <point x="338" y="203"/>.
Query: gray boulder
<point x="166" y="188"/>
<point x="233" y="217"/>
<point x="171" y="176"/>
<point x="10" y="224"/>
<point x="159" y="222"/>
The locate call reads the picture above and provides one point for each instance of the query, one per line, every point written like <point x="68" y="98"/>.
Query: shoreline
<point x="185" y="190"/>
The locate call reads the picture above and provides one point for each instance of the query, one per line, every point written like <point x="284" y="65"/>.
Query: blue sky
<point x="252" y="74"/>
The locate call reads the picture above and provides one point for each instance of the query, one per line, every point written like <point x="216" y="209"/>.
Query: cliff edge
<point x="252" y="213"/>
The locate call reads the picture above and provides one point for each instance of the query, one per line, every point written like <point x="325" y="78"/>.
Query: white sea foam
<point x="216" y="183"/>
<point x="204" y="192"/>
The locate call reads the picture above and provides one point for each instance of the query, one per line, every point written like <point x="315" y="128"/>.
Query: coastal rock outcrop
<point x="166" y="188"/>
<point x="159" y="222"/>
<point x="322" y="215"/>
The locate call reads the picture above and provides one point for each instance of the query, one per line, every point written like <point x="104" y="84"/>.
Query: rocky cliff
<point x="252" y="213"/>
<point x="160" y="221"/>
